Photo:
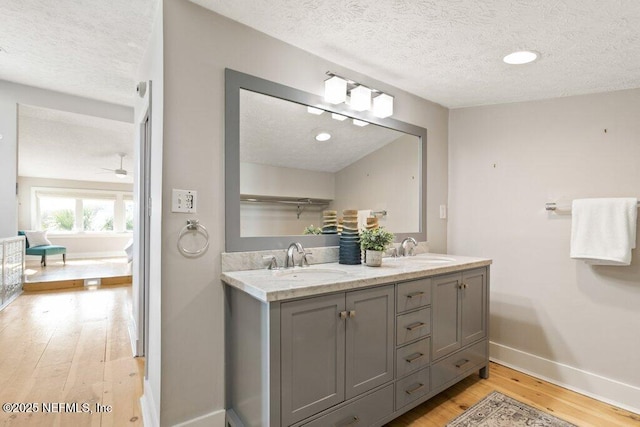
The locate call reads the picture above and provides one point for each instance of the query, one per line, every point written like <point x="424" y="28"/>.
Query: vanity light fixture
<point x="339" y="117"/>
<point x="359" y="97"/>
<point x="360" y="123"/>
<point x="314" y="110"/>
<point x="335" y="89"/>
<point x="323" y="136"/>
<point x="521" y="57"/>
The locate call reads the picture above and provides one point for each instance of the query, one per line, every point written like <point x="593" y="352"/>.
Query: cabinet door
<point x="446" y="315"/>
<point x="312" y="356"/>
<point x="370" y="344"/>
<point x="473" y="299"/>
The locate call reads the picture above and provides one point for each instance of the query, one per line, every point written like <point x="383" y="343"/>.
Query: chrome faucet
<point x="289" y="262"/>
<point x="403" y="246"/>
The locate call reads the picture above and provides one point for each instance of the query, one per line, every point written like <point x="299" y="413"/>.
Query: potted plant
<point x="374" y="242"/>
<point x="312" y="230"/>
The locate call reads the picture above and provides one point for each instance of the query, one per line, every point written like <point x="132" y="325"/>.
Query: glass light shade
<point x="335" y="90"/>
<point x="360" y="98"/>
<point x="360" y="123"/>
<point x="338" y="117"/>
<point x="314" y="110"/>
<point x="383" y="105"/>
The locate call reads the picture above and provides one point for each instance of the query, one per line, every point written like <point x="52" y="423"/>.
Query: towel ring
<point x="193" y="225"/>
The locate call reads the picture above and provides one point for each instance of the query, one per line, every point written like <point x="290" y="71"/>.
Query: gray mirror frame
<point x="234" y="81"/>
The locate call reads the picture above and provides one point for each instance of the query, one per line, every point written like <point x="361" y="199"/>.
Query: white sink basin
<point x="310" y="273"/>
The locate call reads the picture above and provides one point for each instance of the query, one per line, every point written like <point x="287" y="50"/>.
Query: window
<point x="77" y="210"/>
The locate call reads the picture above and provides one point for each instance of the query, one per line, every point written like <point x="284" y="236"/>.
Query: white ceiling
<point x="450" y="51"/>
<point x="89" y="48"/>
<point x="61" y="145"/>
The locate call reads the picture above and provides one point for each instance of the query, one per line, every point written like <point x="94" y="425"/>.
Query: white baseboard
<point x="133" y="336"/>
<point x="83" y="255"/>
<point x="613" y="392"/>
<point x="212" y="419"/>
<point x="150" y="414"/>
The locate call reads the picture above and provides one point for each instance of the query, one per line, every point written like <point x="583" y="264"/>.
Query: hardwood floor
<point x="563" y="403"/>
<point x="70" y="346"/>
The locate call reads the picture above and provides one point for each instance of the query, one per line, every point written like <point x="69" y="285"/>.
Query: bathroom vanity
<point x="344" y="345"/>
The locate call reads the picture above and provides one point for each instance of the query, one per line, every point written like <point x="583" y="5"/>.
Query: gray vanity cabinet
<point x="334" y="348"/>
<point x="459" y="311"/>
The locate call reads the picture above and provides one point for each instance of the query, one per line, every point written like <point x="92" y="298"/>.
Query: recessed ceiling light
<point x="360" y="122"/>
<point x="521" y="57"/>
<point x="314" y="110"/>
<point x="338" y="116"/>
<point x="323" y="136"/>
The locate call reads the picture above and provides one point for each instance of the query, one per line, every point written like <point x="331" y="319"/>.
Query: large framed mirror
<point x="281" y="175"/>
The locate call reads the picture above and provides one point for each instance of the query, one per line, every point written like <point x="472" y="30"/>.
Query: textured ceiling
<point x="89" y="48"/>
<point x="282" y="133"/>
<point x="60" y="145"/>
<point x="450" y="51"/>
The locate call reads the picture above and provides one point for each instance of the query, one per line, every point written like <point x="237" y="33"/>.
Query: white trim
<point x="133" y="338"/>
<point x="212" y="419"/>
<point x="613" y="392"/>
<point x="148" y="407"/>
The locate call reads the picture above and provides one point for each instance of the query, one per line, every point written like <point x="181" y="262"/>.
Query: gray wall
<point x="550" y="315"/>
<point x="198" y="45"/>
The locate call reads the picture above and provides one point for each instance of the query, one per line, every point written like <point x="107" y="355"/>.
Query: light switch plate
<point x="184" y="201"/>
<point x="443" y="211"/>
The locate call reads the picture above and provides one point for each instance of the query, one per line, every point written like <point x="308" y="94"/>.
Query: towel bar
<point x="552" y="206"/>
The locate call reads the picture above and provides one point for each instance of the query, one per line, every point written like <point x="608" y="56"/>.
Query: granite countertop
<point x="277" y="285"/>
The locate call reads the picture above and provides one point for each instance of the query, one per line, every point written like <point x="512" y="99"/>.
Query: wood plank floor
<point x="573" y="407"/>
<point x="70" y="347"/>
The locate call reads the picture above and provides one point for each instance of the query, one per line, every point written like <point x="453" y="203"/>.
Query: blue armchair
<point x="44" y="250"/>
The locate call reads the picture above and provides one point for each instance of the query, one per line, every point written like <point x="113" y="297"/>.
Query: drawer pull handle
<point x="414" y="326"/>
<point x="414" y="357"/>
<point x="461" y="363"/>
<point x="413" y="390"/>
<point x="353" y="422"/>
<point x="414" y="294"/>
<point x="342" y="315"/>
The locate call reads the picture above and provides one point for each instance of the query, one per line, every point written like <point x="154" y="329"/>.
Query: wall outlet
<point x="184" y="201"/>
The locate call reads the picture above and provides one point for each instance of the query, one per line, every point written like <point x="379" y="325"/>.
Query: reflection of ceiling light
<point x="360" y="122"/>
<point x="323" y="136"/>
<point x="338" y="117"/>
<point x="383" y="105"/>
<point x="335" y="90"/>
<point x="520" y="57"/>
<point x="314" y="110"/>
<point x="360" y="98"/>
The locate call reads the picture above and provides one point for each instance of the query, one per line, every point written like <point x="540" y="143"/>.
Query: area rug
<point x="498" y="410"/>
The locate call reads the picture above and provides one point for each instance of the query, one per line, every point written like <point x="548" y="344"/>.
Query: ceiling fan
<point x="120" y="172"/>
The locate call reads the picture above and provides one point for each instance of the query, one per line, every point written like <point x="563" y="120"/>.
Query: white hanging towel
<point x="603" y="231"/>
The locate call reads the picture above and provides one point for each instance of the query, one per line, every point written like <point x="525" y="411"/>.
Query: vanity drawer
<point x="414" y="294"/>
<point x="412" y="326"/>
<point x="412" y="387"/>
<point x="362" y="412"/>
<point x="459" y="364"/>
<point x="412" y="357"/>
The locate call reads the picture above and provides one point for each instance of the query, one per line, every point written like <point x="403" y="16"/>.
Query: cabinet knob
<point x="352" y="313"/>
<point x="342" y="314"/>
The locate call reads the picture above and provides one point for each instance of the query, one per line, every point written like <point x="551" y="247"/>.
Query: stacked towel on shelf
<point x="603" y="231"/>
